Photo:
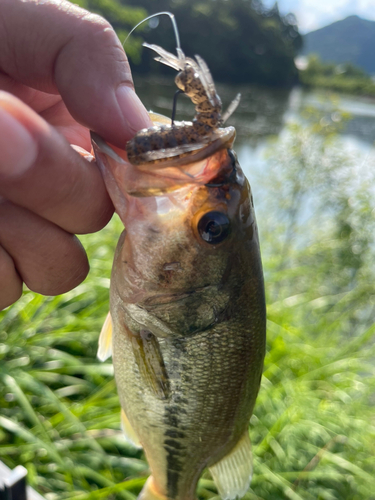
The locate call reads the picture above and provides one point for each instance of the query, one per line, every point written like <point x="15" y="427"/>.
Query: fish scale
<point x="193" y="364"/>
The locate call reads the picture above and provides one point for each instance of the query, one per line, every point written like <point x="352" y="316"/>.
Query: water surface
<point x="264" y="114"/>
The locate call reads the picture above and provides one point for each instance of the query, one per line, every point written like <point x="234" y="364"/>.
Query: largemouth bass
<point x="187" y="312"/>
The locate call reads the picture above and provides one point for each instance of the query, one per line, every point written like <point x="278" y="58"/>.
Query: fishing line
<point x="175" y="29"/>
<point x="179" y="52"/>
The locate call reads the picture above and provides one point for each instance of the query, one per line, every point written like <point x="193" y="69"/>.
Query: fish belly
<point x="214" y="378"/>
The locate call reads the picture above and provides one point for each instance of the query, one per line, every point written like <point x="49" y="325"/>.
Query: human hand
<point x="63" y="72"/>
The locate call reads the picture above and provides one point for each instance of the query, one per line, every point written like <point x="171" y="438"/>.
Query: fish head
<point x="189" y="229"/>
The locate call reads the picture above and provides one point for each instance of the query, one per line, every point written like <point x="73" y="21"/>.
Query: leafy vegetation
<point x="313" y="429"/>
<point x="341" y="78"/>
<point x="123" y="18"/>
<point x="244" y="41"/>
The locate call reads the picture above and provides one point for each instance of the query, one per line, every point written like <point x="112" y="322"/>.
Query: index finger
<point x="57" y="47"/>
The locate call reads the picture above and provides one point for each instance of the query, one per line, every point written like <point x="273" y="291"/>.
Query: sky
<point x="314" y="14"/>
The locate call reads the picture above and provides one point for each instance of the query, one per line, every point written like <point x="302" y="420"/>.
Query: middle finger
<point x="48" y="259"/>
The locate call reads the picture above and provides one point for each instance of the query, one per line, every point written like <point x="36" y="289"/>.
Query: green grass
<point x="313" y="429"/>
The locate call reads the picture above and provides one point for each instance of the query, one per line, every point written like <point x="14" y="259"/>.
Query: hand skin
<point x="63" y="72"/>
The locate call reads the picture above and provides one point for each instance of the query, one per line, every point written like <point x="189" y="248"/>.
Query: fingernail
<point x="134" y="113"/>
<point x="18" y="148"/>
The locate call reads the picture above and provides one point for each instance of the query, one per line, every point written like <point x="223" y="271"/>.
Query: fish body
<point x="187" y="312"/>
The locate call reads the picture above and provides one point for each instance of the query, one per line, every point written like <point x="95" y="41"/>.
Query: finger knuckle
<point x="100" y="31"/>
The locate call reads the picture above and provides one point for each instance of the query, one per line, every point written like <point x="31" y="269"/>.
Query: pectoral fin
<point x="130" y="436"/>
<point x="105" y="339"/>
<point x="232" y="474"/>
<point x="150" y="363"/>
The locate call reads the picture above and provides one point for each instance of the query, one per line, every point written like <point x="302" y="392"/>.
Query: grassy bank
<point x="313" y="430"/>
<point x="343" y="78"/>
<point x="355" y="86"/>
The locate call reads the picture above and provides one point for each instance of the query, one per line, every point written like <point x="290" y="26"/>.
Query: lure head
<point x="199" y="139"/>
<point x="185" y="78"/>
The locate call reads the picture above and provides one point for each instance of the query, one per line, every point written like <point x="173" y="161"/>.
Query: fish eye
<point x="214" y="227"/>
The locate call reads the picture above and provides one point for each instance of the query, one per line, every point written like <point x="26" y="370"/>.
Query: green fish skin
<point x="189" y="319"/>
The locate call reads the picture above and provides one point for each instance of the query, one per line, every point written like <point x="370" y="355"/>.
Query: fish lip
<point x="223" y="139"/>
<point x="167" y="298"/>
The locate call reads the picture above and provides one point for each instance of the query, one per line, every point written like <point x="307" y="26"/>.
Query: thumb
<point x="76" y="54"/>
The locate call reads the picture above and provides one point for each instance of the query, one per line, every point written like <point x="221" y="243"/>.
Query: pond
<point x="264" y="114"/>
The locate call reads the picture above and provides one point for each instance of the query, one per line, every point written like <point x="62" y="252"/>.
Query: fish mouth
<point x="167" y="298"/>
<point x="171" y="173"/>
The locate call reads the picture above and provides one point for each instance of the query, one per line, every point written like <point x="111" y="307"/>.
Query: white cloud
<point x="314" y="14"/>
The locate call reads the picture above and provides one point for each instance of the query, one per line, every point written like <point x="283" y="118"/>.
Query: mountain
<point x="350" y="40"/>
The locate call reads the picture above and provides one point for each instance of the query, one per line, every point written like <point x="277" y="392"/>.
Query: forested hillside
<point x="350" y="40"/>
<point x="242" y="41"/>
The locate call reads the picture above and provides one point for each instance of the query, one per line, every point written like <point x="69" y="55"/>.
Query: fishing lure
<point x="168" y="143"/>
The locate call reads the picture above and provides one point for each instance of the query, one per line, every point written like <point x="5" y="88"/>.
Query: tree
<point x="241" y="40"/>
<point x="122" y="18"/>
